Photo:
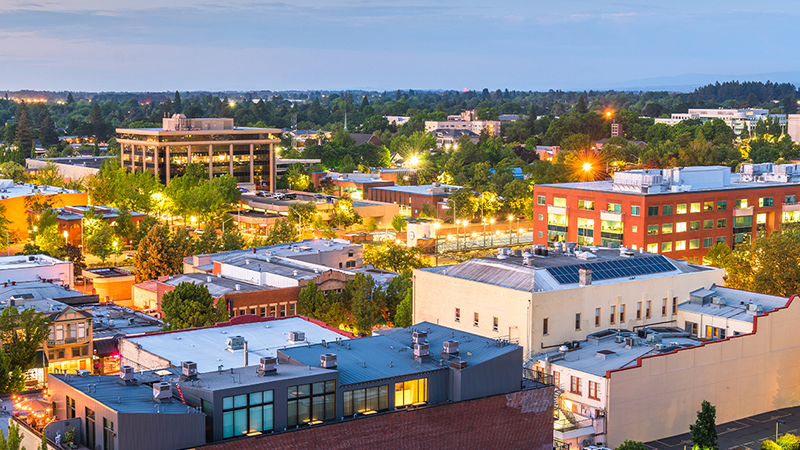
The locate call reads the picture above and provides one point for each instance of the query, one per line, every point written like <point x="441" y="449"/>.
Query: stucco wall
<point x="742" y="376"/>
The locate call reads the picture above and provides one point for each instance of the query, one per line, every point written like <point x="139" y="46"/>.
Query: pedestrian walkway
<point x="746" y="434"/>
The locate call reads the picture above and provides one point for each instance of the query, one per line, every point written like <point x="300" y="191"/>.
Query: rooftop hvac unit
<point x="327" y="361"/>
<point x="419" y="337"/>
<point x="235" y="342"/>
<point x="753" y="307"/>
<point x="126" y="373"/>
<point x="268" y="364"/>
<point x="632" y="341"/>
<point x="297" y="336"/>
<point x="653" y="338"/>
<point x="660" y="347"/>
<point x="716" y="300"/>
<point x="189" y="368"/>
<point x="619" y="339"/>
<point x="162" y="390"/>
<point x="450" y="347"/>
<point x="422" y="350"/>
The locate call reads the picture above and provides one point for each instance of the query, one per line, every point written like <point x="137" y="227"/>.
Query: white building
<point x="793" y="127"/>
<point x="738" y="119"/>
<point x="36" y="268"/>
<point x="719" y="312"/>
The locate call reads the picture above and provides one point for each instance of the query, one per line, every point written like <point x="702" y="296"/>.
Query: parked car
<point x="261" y="194"/>
<point x="278" y="195"/>
<point x="319" y="196"/>
<point x="290" y="196"/>
<point x="128" y="257"/>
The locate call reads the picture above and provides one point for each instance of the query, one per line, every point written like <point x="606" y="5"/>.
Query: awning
<point x="41" y="360"/>
<point x="105" y="347"/>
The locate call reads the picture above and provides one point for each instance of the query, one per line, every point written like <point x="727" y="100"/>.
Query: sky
<point x="167" y="45"/>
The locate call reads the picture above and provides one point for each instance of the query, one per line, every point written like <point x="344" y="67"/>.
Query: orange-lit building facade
<point x="680" y="221"/>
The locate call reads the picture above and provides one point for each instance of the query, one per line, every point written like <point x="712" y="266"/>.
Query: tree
<point x="631" y="445"/>
<point x="281" y="232"/>
<point x="181" y="246"/>
<point x="103" y="242"/>
<point x="581" y="106"/>
<point x="190" y="305"/>
<point x="303" y="214"/>
<point x="22" y="333"/>
<point x="704" y="430"/>
<point x="404" y="316"/>
<point x="24" y="139"/>
<point x="49" y="175"/>
<point x="345" y="215"/>
<point x="768" y="264"/>
<point x="399" y="223"/>
<point x="209" y="241"/>
<point x="14" y="441"/>
<point x="314" y="303"/>
<point x="463" y="202"/>
<point x="47" y="129"/>
<point x="49" y="239"/>
<point x="717" y="255"/>
<point x="11" y="170"/>
<point x="363" y="294"/>
<point x="394" y="257"/>
<point x="154" y="257"/>
<point x="232" y="239"/>
<point x="74" y="255"/>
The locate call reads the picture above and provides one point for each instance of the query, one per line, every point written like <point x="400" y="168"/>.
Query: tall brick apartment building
<point x="679" y="212"/>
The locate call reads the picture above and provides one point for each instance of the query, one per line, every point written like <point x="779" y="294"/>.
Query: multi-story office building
<point x="679" y="212"/>
<point x="737" y="119"/>
<point x="245" y="153"/>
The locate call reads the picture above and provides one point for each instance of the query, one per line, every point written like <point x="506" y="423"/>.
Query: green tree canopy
<point x="394" y="257"/>
<point x="768" y="264"/>
<point x="704" y="430"/>
<point x="154" y="257"/>
<point x="190" y="305"/>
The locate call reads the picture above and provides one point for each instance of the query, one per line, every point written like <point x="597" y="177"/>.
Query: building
<point x="356" y="185"/>
<point x="793" y="127"/>
<point x="719" y="312"/>
<point x="492" y="127"/>
<point x="448" y="138"/>
<point x="111" y="284"/>
<point x="209" y="346"/>
<point x="415" y="199"/>
<point x="542" y="301"/>
<point x="110" y="323"/>
<point x="737" y="119"/>
<point x="679" y="212"/>
<point x="247" y="154"/>
<point x="71" y="220"/>
<point x="71" y="168"/>
<point x="18" y="199"/>
<point x="397" y="120"/>
<point x="22" y="268"/>
<point x="617" y="130"/>
<point x="363" y="138"/>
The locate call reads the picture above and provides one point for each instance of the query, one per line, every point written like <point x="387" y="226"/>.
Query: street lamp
<point x="776" y="429"/>
<point x="301" y="222"/>
<point x="66" y="237"/>
<point x="223" y="224"/>
<point x="510" y="220"/>
<point x="115" y="253"/>
<point x="491" y="221"/>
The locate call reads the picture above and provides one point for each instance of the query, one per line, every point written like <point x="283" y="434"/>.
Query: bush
<point x="632" y="445"/>
<point x="789" y="442"/>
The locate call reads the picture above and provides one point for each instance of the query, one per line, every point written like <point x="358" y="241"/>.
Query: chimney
<point x="245" y="353"/>
<point x="585" y="276"/>
<point x="208" y="279"/>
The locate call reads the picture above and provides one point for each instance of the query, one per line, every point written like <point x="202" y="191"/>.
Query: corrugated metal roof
<point x="122" y="398"/>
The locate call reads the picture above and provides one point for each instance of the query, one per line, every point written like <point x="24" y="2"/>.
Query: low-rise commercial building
<point x="356" y="185"/>
<point x="23" y="268"/>
<point x="71" y="220"/>
<point x="110" y="284"/>
<point x="738" y="119"/>
<point x="541" y="299"/>
<point x="718" y="312"/>
<point x="17" y="199"/>
<point x="414" y="199"/>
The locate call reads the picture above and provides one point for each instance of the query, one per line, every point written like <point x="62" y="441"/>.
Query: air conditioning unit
<point x="419" y="337"/>
<point x="632" y="341"/>
<point x="268" y="364"/>
<point x="162" y="390"/>
<point x="126" y="373"/>
<point x="327" y="361"/>
<point x="753" y="307"/>
<point x="715" y="300"/>
<point x="235" y="343"/>
<point x="653" y="338"/>
<point x="297" y="336"/>
<point x="660" y="347"/>
<point x="189" y="368"/>
<point x="422" y="350"/>
<point x="450" y="347"/>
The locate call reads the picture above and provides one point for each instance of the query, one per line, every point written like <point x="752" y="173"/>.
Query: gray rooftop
<point x="38" y="291"/>
<point x="422" y="189"/>
<point x="113" y="320"/>
<point x="246" y="376"/>
<point x="392" y="355"/>
<point x="733" y="303"/>
<point x="284" y="267"/>
<point x="217" y="286"/>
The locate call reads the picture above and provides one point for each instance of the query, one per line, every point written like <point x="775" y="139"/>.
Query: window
<point x="108" y="434"/>
<point x="789" y="199"/>
<point x="540" y="200"/>
<point x="636" y="211"/>
<point x="349" y="264"/>
<point x="714" y="332"/>
<point x="593" y="390"/>
<point x="666" y="228"/>
<point x="59" y="332"/>
<point x="694" y="244"/>
<point x="694" y="207"/>
<point x="575" y="385"/>
<point x="652" y="211"/>
<point x="664" y="307"/>
<point x="666" y="210"/>
<point x="681" y="208"/>
<point x="652" y="229"/>
<point x="293" y="308"/>
<point x="612" y="318"/>
<point x="70" y="408"/>
<point x="666" y="247"/>
<point x="541" y="217"/>
<point x="597" y="317"/>
<point x="741" y="203"/>
<point x="495" y="325"/>
<point x="614" y="207"/>
<point x="557" y="378"/>
<point x="708" y="207"/>
<point x="475" y="320"/>
<point x="560" y="202"/>
<point x="765" y="201"/>
<point x="263" y="311"/>
<point x="458" y="314"/>
<point x="721" y="240"/>
<point x="360" y="401"/>
<point x="309" y="403"/>
<point x="83" y="350"/>
<point x="674" y="305"/>
<point x="694" y="225"/>
<point x="272" y="310"/>
<point x="638" y="310"/>
<point x="647" y="310"/>
<point x="621" y="314"/>
<point x="577" y="321"/>
<point x="586" y="205"/>
<point x="249" y="413"/>
<point x="708" y="242"/>
<point x="652" y="248"/>
<point x="541" y="234"/>
<point x="252" y="311"/>
<point x="90" y="427"/>
<point x="680" y="227"/>
<point x="680" y="245"/>
<point x="634" y="229"/>
<point x="690" y="327"/>
<point x="544" y="326"/>
<point x="708" y="224"/>
<point x="761" y="219"/>
<point x="52" y="333"/>
<point x="722" y="223"/>
<point x="722" y="205"/>
<point x="410" y="392"/>
<point x="81" y="330"/>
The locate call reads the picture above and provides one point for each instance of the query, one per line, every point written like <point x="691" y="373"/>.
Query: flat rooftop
<point x="78" y="212"/>
<point x="733" y="303"/>
<point x="37" y="290"/>
<point x="248" y="376"/>
<point x="422" y="189"/>
<point x="92" y="162"/>
<point x="107" y="272"/>
<point x="281" y="266"/>
<point x="208" y="348"/>
<point x="28" y="261"/>
<point x="13" y="190"/>
<point x="290" y="250"/>
<point x="392" y="355"/>
<point x="558" y="272"/>
<point x="113" y="320"/>
<point x="217" y="287"/>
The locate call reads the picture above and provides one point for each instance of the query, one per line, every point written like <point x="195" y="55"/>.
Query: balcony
<point x="67" y="341"/>
<point x="611" y="216"/>
<point x="557" y="210"/>
<point x="568" y="425"/>
<point x="742" y="212"/>
<point x="791" y="207"/>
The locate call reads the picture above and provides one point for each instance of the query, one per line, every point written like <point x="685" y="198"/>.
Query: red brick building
<point x="679" y="212"/>
<point x="412" y="199"/>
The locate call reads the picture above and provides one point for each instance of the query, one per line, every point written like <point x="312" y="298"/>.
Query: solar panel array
<point x="621" y="268"/>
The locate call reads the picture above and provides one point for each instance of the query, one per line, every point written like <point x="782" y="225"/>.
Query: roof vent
<point x="716" y="300"/>
<point x="208" y="279"/>
<point x="653" y="338"/>
<point x="189" y="368"/>
<point x="126" y="373"/>
<point x="753" y="308"/>
<point x="585" y="276"/>
<point x="422" y="350"/>
<point x="450" y="347"/>
<point x="268" y="364"/>
<point x="162" y="390"/>
<point x="297" y="336"/>
<point x="235" y="343"/>
<point x="419" y="337"/>
<point x="604" y="354"/>
<point x="327" y="361"/>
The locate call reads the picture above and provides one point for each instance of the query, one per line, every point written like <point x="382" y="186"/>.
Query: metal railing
<point x="539" y="377"/>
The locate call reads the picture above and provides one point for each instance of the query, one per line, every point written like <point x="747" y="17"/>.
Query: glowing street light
<point x="414" y="161"/>
<point x="587" y="167"/>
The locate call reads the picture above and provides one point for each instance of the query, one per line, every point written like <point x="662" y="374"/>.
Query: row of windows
<point x="476" y="320"/>
<point x="75" y="352"/>
<point x="589" y="205"/>
<point x="722" y="205"/>
<point x="108" y="426"/>
<point x="613" y="314"/>
<point x="576" y="386"/>
<point x="247" y="413"/>
<point x="274" y="310"/>
<point x="694" y="244"/>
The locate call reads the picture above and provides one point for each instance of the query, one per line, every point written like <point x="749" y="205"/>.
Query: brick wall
<point x="522" y="419"/>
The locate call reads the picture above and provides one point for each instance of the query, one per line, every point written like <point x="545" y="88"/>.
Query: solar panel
<point x="605" y="270"/>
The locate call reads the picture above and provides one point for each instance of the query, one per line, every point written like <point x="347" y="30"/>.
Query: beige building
<point x="544" y="301"/>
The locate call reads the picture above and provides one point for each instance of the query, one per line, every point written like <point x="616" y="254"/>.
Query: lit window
<point x="680" y="245"/>
<point x="652" y="229"/>
<point x="410" y="392"/>
<point x="708" y="224"/>
<point x="540" y="200"/>
<point x="560" y="202"/>
<point x="666" y="247"/>
<point x="634" y="229"/>
<point x="652" y="248"/>
<point x="680" y="227"/>
<point x="761" y="219"/>
<point x="614" y="207"/>
<point x="765" y="201"/>
<point x="694" y="207"/>
<point x="666" y="228"/>
<point x="741" y="203"/>
<point x="708" y="206"/>
<point x="694" y="225"/>
<point x="586" y="205"/>
<point x="694" y="244"/>
<point x="681" y="208"/>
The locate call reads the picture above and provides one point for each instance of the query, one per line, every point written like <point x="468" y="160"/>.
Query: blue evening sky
<point x="98" y="45"/>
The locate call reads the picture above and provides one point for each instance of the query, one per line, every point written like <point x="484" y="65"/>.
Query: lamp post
<point x="66" y="237"/>
<point x="776" y="429"/>
<point x="115" y="253"/>
<point x="510" y="220"/>
<point x="491" y="221"/>
<point x="300" y="223"/>
<point x="483" y="222"/>
<point x="223" y="224"/>
<point x="518" y="230"/>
